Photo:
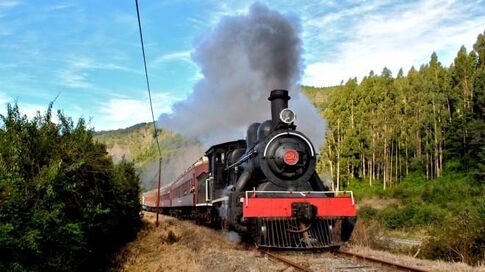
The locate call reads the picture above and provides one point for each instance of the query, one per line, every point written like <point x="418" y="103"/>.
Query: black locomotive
<point x="275" y="170"/>
<point x="265" y="188"/>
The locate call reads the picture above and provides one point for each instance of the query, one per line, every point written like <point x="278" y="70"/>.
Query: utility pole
<point x="159" y="183"/>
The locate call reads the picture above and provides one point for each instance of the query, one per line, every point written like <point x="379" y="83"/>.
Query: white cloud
<point x="121" y="111"/>
<point x="3" y="103"/>
<point x="4" y="98"/>
<point x="197" y="76"/>
<point x="61" y="6"/>
<point x="31" y="109"/>
<point x="402" y="37"/>
<point x="175" y="56"/>
<point x="90" y="64"/>
<point x="77" y="72"/>
<point x="74" y="79"/>
<point x="8" y="4"/>
<point x="28" y="109"/>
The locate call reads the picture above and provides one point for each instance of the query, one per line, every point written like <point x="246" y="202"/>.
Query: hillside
<point x="137" y="144"/>
<point x="320" y="96"/>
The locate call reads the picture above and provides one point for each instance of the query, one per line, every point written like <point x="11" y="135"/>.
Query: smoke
<point x="242" y="59"/>
<point x="172" y="166"/>
<point x="175" y="165"/>
<point x="232" y="237"/>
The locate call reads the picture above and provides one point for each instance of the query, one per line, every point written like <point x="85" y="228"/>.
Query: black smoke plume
<point x="242" y="59"/>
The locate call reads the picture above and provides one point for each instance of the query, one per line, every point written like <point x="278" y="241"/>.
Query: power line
<point x="151" y="108"/>
<point x="146" y="77"/>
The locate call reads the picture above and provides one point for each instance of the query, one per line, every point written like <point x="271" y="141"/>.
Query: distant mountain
<point x="319" y="96"/>
<point x="137" y="144"/>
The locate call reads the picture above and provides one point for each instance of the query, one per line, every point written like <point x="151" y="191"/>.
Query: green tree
<point x="63" y="204"/>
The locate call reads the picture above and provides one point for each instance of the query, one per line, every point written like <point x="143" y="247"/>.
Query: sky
<point x="87" y="52"/>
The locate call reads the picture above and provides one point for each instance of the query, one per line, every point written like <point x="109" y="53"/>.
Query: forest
<point x="384" y="127"/>
<point x="416" y="140"/>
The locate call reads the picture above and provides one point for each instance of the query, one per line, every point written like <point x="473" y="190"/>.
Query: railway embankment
<point x="184" y="246"/>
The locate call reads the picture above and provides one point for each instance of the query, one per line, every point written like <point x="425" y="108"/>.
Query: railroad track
<point x="345" y="254"/>
<point x="285" y="261"/>
<point x="379" y="261"/>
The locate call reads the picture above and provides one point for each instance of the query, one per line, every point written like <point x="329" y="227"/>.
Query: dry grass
<point x="409" y="260"/>
<point x="371" y="240"/>
<point x="183" y="246"/>
<point x="367" y="236"/>
<point x="378" y="203"/>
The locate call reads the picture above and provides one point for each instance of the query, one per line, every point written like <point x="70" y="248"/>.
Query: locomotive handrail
<point x="207" y="189"/>
<point x="241" y="160"/>
<point x="303" y="193"/>
<point x="289" y="133"/>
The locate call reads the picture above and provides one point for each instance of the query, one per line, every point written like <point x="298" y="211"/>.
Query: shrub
<point x="63" y="204"/>
<point x="367" y="213"/>
<point x="411" y="215"/>
<point x="367" y="234"/>
<point x="394" y="217"/>
<point x="459" y="238"/>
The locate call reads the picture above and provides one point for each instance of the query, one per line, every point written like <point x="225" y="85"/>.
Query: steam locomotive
<point x="265" y="188"/>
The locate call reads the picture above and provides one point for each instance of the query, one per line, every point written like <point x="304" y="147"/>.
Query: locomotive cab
<point x="219" y="157"/>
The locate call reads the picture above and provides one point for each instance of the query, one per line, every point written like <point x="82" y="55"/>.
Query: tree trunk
<point x="385" y="160"/>
<point x="435" y="145"/>
<point x="418" y="137"/>
<point x="338" y="154"/>
<point x="407" y="155"/>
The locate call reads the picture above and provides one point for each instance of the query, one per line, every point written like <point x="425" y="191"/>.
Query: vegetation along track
<point x="345" y="254"/>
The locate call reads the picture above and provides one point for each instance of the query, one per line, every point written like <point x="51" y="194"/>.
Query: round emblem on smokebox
<point x="291" y="157"/>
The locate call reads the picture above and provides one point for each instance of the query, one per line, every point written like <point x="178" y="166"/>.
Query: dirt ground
<point x="183" y="246"/>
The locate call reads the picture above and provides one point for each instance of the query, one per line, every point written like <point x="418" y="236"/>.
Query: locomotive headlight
<point x="287" y="116"/>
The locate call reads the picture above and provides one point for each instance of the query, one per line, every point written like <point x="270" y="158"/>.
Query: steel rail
<point x="379" y="261"/>
<point x="285" y="261"/>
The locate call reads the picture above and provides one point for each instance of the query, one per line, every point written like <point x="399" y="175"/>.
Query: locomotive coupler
<point x="303" y="211"/>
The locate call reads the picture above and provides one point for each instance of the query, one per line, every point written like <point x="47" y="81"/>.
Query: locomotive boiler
<point x="265" y="188"/>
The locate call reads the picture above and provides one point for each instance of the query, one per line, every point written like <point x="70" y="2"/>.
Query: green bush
<point x="63" y="204"/>
<point x="394" y="217"/>
<point x="459" y="238"/>
<point x="410" y="215"/>
<point x="367" y="213"/>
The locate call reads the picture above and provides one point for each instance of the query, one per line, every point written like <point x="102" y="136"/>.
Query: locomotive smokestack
<point x="279" y="101"/>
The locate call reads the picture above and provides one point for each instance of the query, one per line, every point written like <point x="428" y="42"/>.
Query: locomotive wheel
<point x="254" y="230"/>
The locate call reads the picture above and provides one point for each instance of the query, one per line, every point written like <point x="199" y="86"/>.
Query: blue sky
<point x="88" y="51"/>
